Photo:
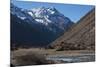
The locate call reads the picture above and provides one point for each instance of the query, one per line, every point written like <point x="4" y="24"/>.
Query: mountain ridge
<point x="80" y="36"/>
<point x="37" y="30"/>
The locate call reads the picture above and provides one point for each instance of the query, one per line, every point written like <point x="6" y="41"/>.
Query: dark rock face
<point x="80" y="36"/>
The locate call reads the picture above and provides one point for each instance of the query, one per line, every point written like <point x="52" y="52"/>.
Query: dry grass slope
<point x="80" y="36"/>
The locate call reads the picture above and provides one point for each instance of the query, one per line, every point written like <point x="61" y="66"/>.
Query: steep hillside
<point x="80" y="36"/>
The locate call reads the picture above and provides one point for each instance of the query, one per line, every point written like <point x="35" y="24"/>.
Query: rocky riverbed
<point x="22" y="57"/>
<point x="72" y="59"/>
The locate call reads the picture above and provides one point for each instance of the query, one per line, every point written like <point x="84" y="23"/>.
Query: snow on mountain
<point x="42" y="20"/>
<point x="42" y="15"/>
<point x="49" y="15"/>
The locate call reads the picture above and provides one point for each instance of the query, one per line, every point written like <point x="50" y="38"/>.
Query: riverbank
<point x="52" y="56"/>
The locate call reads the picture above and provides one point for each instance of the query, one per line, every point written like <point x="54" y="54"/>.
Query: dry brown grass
<point x="24" y="57"/>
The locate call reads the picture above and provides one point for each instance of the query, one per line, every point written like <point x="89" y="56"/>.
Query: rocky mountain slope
<point x="80" y="36"/>
<point x="37" y="26"/>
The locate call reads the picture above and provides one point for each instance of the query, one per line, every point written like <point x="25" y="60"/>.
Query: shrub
<point x="59" y="49"/>
<point x="31" y="58"/>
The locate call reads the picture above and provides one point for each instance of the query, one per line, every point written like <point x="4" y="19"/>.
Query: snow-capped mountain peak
<point x="38" y="26"/>
<point x="42" y="11"/>
<point x="49" y="17"/>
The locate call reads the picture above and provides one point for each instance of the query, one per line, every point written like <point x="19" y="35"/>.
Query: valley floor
<point x="69" y="56"/>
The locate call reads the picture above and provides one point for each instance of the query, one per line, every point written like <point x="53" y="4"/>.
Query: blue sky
<point x="72" y="11"/>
